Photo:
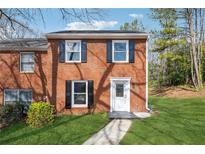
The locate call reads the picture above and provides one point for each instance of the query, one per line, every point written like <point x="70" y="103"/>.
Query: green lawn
<point x="180" y="121"/>
<point x="65" y="130"/>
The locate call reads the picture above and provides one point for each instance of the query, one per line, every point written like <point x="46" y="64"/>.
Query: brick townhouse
<point x="77" y="71"/>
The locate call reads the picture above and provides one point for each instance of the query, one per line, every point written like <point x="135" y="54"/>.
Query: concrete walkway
<point x="112" y="133"/>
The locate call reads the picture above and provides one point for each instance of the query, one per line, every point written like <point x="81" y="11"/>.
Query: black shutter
<point x="62" y="51"/>
<point x="68" y="94"/>
<point x="131" y="51"/>
<point x="109" y="51"/>
<point x="90" y="93"/>
<point x="84" y="51"/>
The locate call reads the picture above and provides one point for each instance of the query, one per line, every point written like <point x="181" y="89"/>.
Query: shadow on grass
<point x="175" y="124"/>
<point x="35" y="131"/>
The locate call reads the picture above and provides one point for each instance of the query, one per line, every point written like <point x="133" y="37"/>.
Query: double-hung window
<point x="22" y="96"/>
<point x="120" y="50"/>
<point x="11" y="96"/>
<point x="27" y="62"/>
<point x="79" y="93"/>
<point x="25" y="98"/>
<point x="73" y="51"/>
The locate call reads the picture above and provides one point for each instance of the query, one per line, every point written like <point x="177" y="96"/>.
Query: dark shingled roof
<point x="24" y="44"/>
<point x="97" y="34"/>
<point x="95" y="31"/>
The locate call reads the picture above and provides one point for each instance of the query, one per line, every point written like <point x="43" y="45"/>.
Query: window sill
<point x="27" y="72"/>
<point x="70" y="62"/>
<point x="78" y="106"/>
<point x="121" y="62"/>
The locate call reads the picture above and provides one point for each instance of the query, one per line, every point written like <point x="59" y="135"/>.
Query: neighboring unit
<point x="77" y="71"/>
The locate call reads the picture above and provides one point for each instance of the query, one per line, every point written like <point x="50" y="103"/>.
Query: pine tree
<point x="134" y="25"/>
<point x="169" y="43"/>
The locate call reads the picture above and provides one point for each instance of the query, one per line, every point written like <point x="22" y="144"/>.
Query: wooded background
<point x="176" y="51"/>
<point x="179" y="47"/>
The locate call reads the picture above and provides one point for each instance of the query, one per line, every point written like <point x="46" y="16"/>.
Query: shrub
<point x="39" y="114"/>
<point x="1" y="114"/>
<point x="10" y="113"/>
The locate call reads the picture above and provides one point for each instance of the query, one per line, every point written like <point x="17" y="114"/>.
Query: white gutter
<point x="97" y="36"/>
<point x="147" y="46"/>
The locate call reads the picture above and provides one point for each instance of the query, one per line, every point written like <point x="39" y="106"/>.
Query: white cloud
<point x="94" y="25"/>
<point x="134" y="15"/>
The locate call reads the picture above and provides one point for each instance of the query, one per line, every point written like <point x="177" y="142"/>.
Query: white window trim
<point x="66" y="52"/>
<point x="79" y="105"/>
<point x="10" y="90"/>
<point x="127" y="51"/>
<point x="18" y="91"/>
<point x="34" y="62"/>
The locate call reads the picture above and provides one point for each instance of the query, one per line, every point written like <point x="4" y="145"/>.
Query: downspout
<point x="147" y="108"/>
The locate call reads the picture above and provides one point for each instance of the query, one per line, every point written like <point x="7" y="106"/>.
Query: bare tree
<point x="15" y="22"/>
<point x="195" y="25"/>
<point x="195" y="73"/>
<point x="201" y="40"/>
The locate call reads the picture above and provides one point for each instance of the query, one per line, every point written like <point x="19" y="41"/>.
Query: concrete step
<point x="128" y="115"/>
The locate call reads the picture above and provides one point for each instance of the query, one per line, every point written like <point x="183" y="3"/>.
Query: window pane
<point x="73" y="56"/>
<point x="27" y="57"/>
<point x="25" y="98"/>
<point x="79" y="87"/>
<point x="73" y="46"/>
<point x="11" y="96"/>
<point x="27" y="67"/>
<point x="119" y="90"/>
<point x="79" y="98"/>
<point x="120" y="56"/>
<point x="120" y="46"/>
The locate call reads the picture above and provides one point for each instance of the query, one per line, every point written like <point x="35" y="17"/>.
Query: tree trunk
<point x="192" y="70"/>
<point x="195" y="75"/>
<point x="197" y="42"/>
<point x="201" y="39"/>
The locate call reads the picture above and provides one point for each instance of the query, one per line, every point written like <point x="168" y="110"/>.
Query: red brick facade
<point x="50" y="76"/>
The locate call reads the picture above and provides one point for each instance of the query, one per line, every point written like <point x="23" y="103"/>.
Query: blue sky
<point x="112" y="19"/>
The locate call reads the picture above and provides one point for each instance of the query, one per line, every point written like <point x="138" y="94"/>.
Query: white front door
<point x="120" y="95"/>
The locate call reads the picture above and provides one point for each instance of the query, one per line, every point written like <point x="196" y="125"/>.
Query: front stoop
<point x="142" y="115"/>
<point x="128" y="115"/>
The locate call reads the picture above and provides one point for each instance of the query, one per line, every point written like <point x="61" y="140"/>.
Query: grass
<point x="180" y="121"/>
<point x="65" y="130"/>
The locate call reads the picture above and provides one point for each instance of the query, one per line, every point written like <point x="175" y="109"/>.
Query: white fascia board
<point x="97" y="36"/>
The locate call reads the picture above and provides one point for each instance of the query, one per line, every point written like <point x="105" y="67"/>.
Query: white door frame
<point x="111" y="92"/>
